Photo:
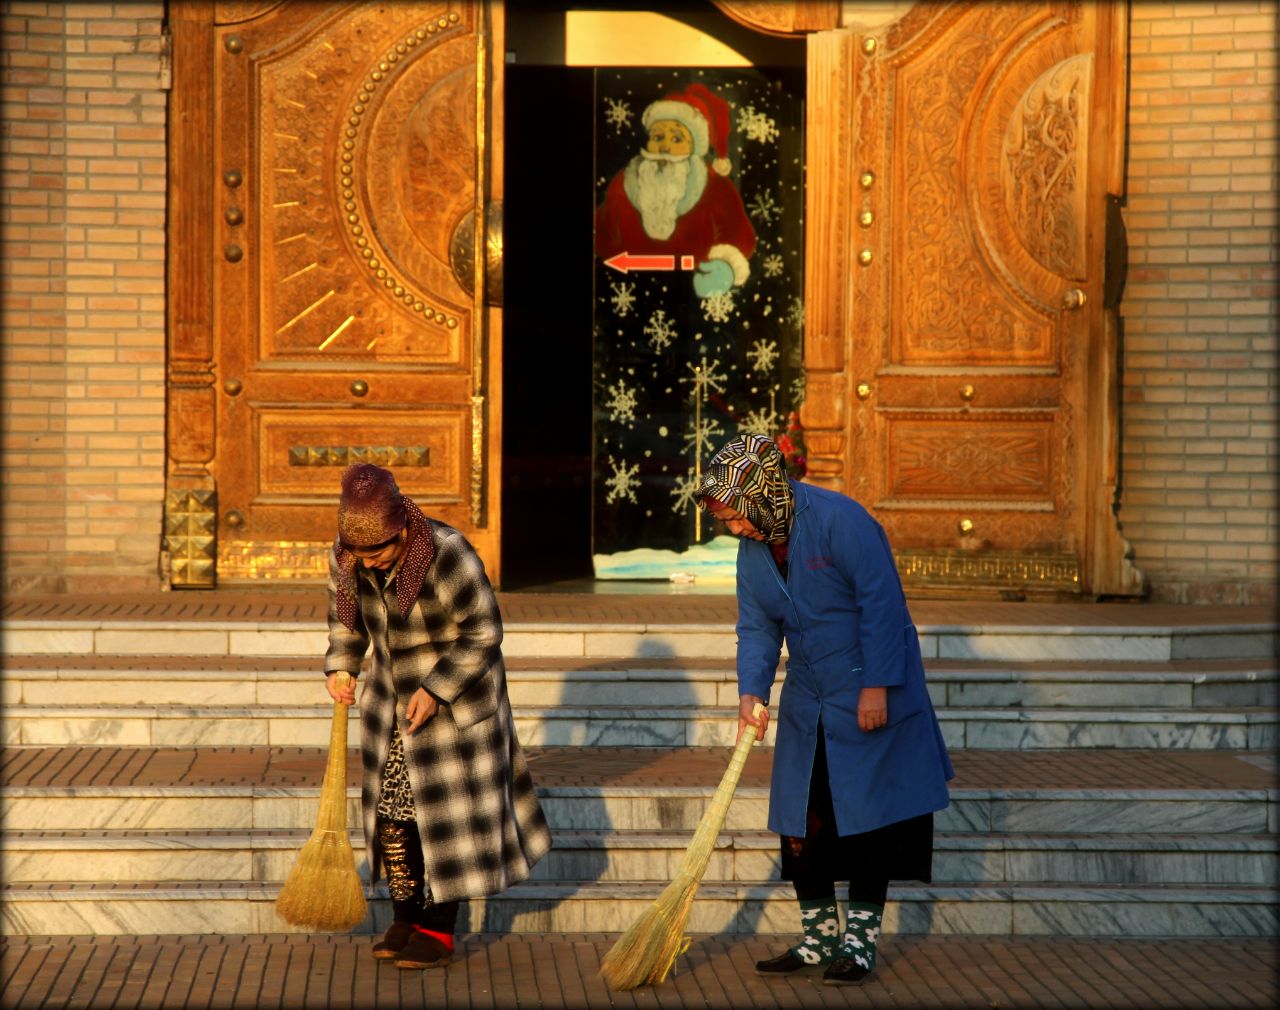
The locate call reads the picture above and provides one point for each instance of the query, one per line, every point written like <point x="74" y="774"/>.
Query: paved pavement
<point x="561" y="971"/>
<point x="660" y="605"/>
<point x="598" y="767"/>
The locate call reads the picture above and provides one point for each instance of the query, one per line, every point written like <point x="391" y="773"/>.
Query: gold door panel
<point x="345" y="154"/>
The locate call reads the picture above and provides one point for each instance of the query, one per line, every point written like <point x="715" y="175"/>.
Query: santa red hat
<point x="706" y="115"/>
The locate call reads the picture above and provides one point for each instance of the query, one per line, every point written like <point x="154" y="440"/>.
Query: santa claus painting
<point x="667" y="202"/>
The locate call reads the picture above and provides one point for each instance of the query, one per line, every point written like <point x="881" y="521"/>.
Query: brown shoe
<point x="423" y="951"/>
<point x="393" y="940"/>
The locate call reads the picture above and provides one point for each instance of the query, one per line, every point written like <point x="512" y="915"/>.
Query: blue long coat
<point x="846" y="624"/>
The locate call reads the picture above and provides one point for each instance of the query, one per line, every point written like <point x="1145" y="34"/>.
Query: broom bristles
<point x="646" y="952"/>
<point x="323" y="890"/>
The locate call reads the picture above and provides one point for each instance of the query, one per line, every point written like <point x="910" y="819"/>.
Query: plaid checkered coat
<point x="481" y="826"/>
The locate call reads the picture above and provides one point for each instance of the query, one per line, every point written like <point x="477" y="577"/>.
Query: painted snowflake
<point x="759" y="422"/>
<point x="618" y="114"/>
<point x="623" y="298"/>
<point x="756" y="125"/>
<point x="763" y="354"/>
<point x="763" y="207"/>
<point x="683" y="491"/>
<point x="622" y="482"/>
<point x="660" y="330"/>
<point x="700" y="438"/>
<point x="621" y="402"/>
<point x="798" y="389"/>
<point x="795" y="312"/>
<point x="773" y="265"/>
<point x="704" y="378"/>
<point x="718" y="307"/>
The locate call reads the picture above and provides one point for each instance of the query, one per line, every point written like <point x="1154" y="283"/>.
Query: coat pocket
<point x="478" y="703"/>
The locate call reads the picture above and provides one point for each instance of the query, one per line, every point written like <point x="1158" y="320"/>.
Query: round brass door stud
<point x="966" y="527"/>
<point x="863" y="390"/>
<point x="234" y="44"/>
<point x="233" y="216"/>
<point x="967" y="391"/>
<point x="232" y="178"/>
<point x="867" y="179"/>
<point x="233" y="253"/>
<point x="232" y="387"/>
<point x="234" y="519"/>
<point x="868" y="45"/>
<point x="865" y="257"/>
<point x="866" y="218"/>
<point x="359" y="387"/>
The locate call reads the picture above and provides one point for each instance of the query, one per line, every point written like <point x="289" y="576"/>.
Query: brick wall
<point x="1199" y="381"/>
<point x="82" y="281"/>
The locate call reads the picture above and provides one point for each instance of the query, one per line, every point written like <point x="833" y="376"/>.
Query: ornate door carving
<point x="338" y="200"/>
<point x="961" y="358"/>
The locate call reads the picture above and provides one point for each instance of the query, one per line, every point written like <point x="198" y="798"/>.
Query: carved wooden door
<point x="342" y="187"/>
<point x="975" y="386"/>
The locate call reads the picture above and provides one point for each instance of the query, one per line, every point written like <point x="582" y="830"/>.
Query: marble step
<point x="741" y="856"/>
<point x="606" y="906"/>
<point x="654" y="807"/>
<point x="51" y="680"/>
<point x="569" y="639"/>
<point x="1004" y="728"/>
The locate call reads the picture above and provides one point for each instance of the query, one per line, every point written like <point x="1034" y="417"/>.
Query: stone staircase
<point x="1114" y="771"/>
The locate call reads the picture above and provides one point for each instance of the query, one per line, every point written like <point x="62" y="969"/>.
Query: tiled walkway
<point x="303" y="767"/>
<point x="561" y="971"/>
<point x="672" y="607"/>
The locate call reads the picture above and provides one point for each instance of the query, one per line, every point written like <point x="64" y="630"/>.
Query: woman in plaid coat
<point x="448" y="804"/>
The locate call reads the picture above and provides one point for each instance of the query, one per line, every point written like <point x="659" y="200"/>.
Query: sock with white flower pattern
<point x="862" y="930"/>
<point x="821" y="924"/>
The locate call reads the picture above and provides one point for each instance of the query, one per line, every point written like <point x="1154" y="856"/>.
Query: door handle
<point x="1074" y="298"/>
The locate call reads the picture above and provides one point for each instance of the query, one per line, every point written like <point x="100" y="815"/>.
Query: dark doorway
<point x="547" y="312"/>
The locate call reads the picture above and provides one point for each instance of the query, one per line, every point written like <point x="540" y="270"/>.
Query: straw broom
<point x="646" y="952"/>
<point x="323" y="891"/>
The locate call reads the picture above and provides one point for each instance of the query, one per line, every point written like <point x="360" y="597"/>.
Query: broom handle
<point x="335" y="770"/>
<point x="709" y="828"/>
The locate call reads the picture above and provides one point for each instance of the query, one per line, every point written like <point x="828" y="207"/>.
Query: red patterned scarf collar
<point x="419" y="550"/>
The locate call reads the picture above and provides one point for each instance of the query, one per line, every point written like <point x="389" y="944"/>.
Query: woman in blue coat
<point x="859" y="765"/>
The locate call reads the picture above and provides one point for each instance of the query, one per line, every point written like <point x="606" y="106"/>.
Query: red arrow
<point x="626" y="262"/>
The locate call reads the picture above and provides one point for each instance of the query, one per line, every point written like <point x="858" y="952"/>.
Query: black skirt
<point x="902" y="850"/>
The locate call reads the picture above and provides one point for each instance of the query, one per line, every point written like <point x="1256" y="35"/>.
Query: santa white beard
<point x="662" y="187"/>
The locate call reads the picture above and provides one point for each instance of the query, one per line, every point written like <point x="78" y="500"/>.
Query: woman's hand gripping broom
<point x="646" y="952"/>
<point x="323" y="891"/>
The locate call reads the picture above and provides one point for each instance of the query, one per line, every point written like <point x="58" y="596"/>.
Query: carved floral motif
<point x="933" y="459"/>
<point x="949" y="308"/>
<point x="1045" y="158"/>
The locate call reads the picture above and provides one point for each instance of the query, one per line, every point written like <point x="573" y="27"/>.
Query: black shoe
<point x="393" y="941"/>
<point x="844" y="971"/>
<point x="421" y="952"/>
<point x="783" y="964"/>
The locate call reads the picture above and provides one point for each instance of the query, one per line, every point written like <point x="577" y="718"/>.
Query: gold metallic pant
<point x="411" y="898"/>
<point x="402" y="858"/>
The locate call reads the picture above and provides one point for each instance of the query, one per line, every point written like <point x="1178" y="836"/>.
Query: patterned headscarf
<point x="749" y="475"/>
<point x="372" y="511"/>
